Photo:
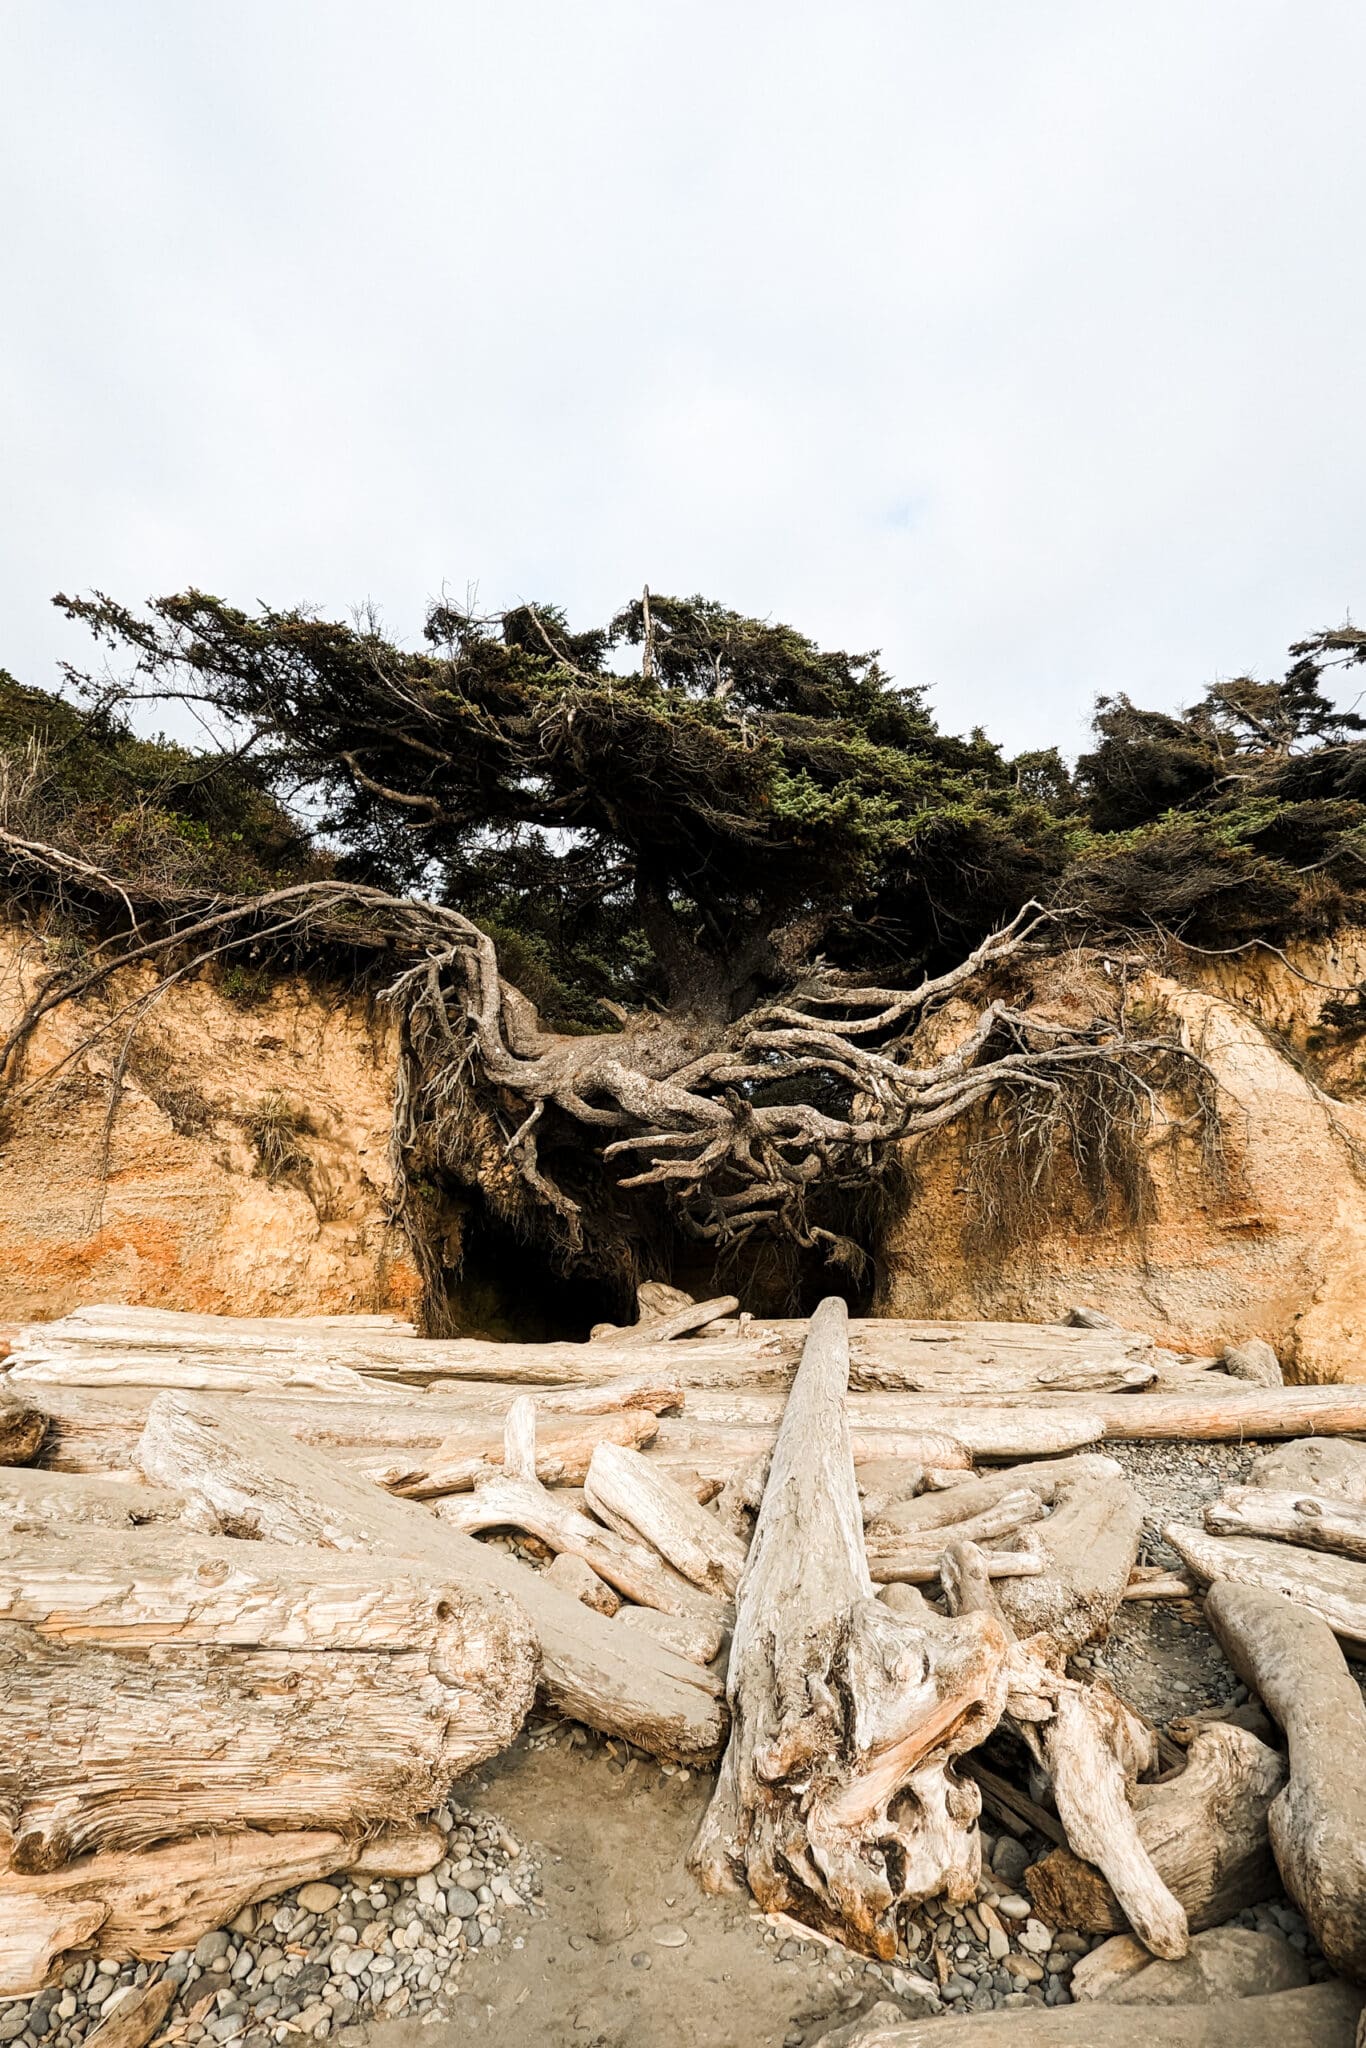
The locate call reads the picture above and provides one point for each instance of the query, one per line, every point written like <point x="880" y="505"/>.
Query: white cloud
<point x="1022" y="342"/>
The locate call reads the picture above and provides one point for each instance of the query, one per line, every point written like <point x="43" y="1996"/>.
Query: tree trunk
<point x="258" y="1477"/>
<point x="1088" y="1543"/>
<point x="1206" y="1832"/>
<point x="837" y="1799"/>
<point x="1318" y="1823"/>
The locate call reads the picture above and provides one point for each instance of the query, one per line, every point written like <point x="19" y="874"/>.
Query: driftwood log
<point x="251" y="1476"/>
<point x="1320" y="2016"/>
<point x="1313" y="1520"/>
<point x="158" y="1683"/>
<point x="1088" y="1546"/>
<point x="1206" y="1832"/>
<point x="150" y="1904"/>
<point x="1331" y="1587"/>
<point x="627" y="1493"/>
<point x="1318" y="1823"/>
<point x="1335" y="1466"/>
<point x="472" y="1453"/>
<point x="838" y="1801"/>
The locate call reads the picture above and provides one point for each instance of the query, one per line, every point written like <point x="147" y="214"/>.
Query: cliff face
<point x="1271" y="1243"/>
<point x="244" y="1169"/>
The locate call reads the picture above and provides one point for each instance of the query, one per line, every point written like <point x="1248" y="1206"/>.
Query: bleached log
<point x="467" y="1457"/>
<point x="149" y="1904"/>
<point x="697" y="1637"/>
<point x="22" y="1427"/>
<point x="973" y="1493"/>
<point x="1205" y="1831"/>
<point x="1107" y="1967"/>
<point x="33" y="1501"/>
<point x="1332" y="1466"/>
<point x="1232" y="1411"/>
<point x="1332" y="1587"/>
<point x="637" y="1572"/>
<point x="1093" y="1749"/>
<point x="137" y="2017"/>
<point x="689" y="1316"/>
<point x="1089" y="1544"/>
<point x="1149" y="1583"/>
<point x="1319" y="2016"/>
<point x="572" y="1575"/>
<point x="837" y="1799"/>
<point x="1315" y="1521"/>
<point x="252" y="1475"/>
<point x="939" y="1436"/>
<point x="48" y="1366"/>
<point x="627" y="1493"/>
<point x="1318" y="1823"/>
<point x="894" y="1555"/>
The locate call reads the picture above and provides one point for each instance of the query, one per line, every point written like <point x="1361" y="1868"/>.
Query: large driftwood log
<point x="1206" y="1832"/>
<point x="1313" y="1520"/>
<point x="33" y="1500"/>
<point x="1331" y="1587"/>
<point x="167" y="1682"/>
<point x="627" y="1493"/>
<point x="22" y="1427"/>
<point x="154" y="1902"/>
<point x="837" y="1799"/>
<point x="1320" y="2016"/>
<point x="251" y="1475"/>
<point x="1318" y="1823"/>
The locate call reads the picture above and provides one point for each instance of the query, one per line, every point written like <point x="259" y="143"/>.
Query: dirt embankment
<point x="244" y="1170"/>
<point x="1267" y="1239"/>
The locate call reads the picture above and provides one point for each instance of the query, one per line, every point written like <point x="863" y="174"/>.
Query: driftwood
<point x="681" y="1322"/>
<point x="1088" y="1545"/>
<point x="150" y="1904"/>
<point x="1320" y="2016"/>
<point x="1332" y="1466"/>
<point x="137" y="2017"/>
<point x="22" y="1427"/>
<point x="698" y="1638"/>
<point x="1332" y="1587"/>
<point x="1318" y="1823"/>
<point x="625" y="1491"/>
<point x="467" y="1457"/>
<point x="893" y="1555"/>
<point x="837" y="1800"/>
<point x="1206" y="1832"/>
<point x="574" y="1576"/>
<point x="1254" y="1361"/>
<point x="1250" y="1715"/>
<point x="165" y="1682"/>
<point x="1149" y="1582"/>
<point x="33" y="1500"/>
<point x="1315" y="1521"/>
<point x="250" y="1475"/>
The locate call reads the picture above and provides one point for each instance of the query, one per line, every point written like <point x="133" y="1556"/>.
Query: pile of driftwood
<point x="250" y="1640"/>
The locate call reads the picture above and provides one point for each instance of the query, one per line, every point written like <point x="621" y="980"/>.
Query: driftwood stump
<point x="837" y="1800"/>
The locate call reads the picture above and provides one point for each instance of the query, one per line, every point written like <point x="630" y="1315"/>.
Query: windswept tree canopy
<point x="664" y="905"/>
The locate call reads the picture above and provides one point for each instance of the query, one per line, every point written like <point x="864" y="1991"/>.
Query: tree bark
<point x="837" y="1799"/>
<point x="1318" y="1823"/>
<point x="294" y="1493"/>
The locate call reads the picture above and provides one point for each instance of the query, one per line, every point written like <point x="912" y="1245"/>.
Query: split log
<point x="697" y="1637"/>
<point x="22" y="1427"/>
<point x="627" y="1493"/>
<point x="1205" y="1830"/>
<point x="1318" y="1823"/>
<point x="252" y="1475"/>
<point x="837" y="1800"/>
<point x="1312" y="1520"/>
<point x="1320" y="2016"/>
<point x="469" y="1456"/>
<point x="1332" y="1587"/>
<point x="152" y="1903"/>
<point x="1332" y="1466"/>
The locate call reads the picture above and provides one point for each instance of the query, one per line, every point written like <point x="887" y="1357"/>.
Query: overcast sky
<point x="1024" y="341"/>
